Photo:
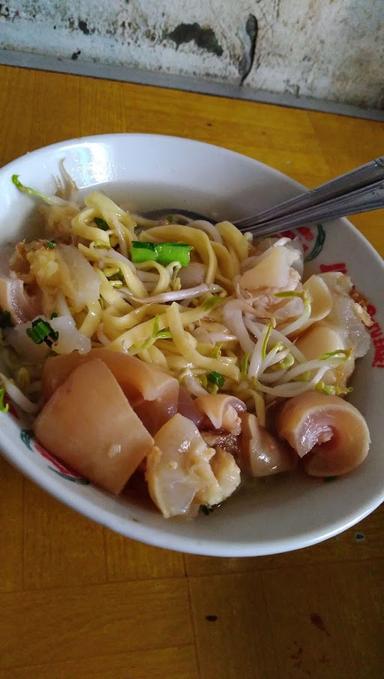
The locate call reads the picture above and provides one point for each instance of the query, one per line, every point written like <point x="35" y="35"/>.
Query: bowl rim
<point x="128" y="526"/>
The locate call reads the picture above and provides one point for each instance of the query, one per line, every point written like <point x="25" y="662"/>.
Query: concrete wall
<point x="326" y="49"/>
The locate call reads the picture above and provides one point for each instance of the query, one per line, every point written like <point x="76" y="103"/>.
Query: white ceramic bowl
<point x="286" y="512"/>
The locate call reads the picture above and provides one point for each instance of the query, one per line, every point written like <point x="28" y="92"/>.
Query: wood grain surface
<point x="77" y="601"/>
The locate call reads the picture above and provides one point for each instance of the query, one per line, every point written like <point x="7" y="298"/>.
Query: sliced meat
<point x="261" y="454"/>
<point x="320" y="339"/>
<point x="346" y="315"/>
<point x="321" y="300"/>
<point x="274" y="269"/>
<point x="154" y="414"/>
<point x="222" y="411"/>
<point x="89" y="424"/>
<point x="217" y="439"/>
<point x="329" y="433"/>
<point x="187" y="406"/>
<point x="141" y="382"/>
<point x="15" y="299"/>
<point x="183" y="472"/>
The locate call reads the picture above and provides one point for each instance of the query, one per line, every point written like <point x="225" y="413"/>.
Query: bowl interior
<point x="144" y="171"/>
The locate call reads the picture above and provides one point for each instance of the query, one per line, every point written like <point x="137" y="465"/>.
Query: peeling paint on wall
<point x="327" y="49"/>
<point x="203" y="37"/>
<point x="248" y="58"/>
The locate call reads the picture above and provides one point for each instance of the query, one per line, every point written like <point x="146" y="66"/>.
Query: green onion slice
<point x="164" y="253"/>
<point x="216" y="378"/>
<point x="101" y="223"/>
<point x="41" y="331"/>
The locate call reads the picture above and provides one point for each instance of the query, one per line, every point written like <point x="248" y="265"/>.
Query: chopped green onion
<point x="164" y="253"/>
<point x="244" y="364"/>
<point x="50" y="244"/>
<point x="143" y="252"/>
<point x="101" y="223"/>
<point x="174" y="252"/>
<point x="4" y="407"/>
<point x="5" y="319"/>
<point x="216" y="378"/>
<point x="41" y="331"/>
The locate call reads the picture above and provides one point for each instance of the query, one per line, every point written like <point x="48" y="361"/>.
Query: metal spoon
<point x="360" y="190"/>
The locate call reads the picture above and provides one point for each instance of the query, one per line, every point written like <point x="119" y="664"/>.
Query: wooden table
<point x="78" y="601"/>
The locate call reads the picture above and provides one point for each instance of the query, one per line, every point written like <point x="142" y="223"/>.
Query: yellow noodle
<point x="143" y="221"/>
<point x="118" y="324"/>
<point x="184" y="342"/>
<point x="106" y="207"/>
<point x="119" y="221"/>
<point x="81" y="228"/>
<point x="91" y="253"/>
<point x="164" y="281"/>
<point x="228" y="265"/>
<point x="168" y="346"/>
<point x="187" y="234"/>
<point x="132" y="281"/>
<point x="232" y="237"/>
<point x="178" y="363"/>
<point x="141" y="332"/>
<point x="111" y="296"/>
<point x="92" y="319"/>
<point x="157" y="357"/>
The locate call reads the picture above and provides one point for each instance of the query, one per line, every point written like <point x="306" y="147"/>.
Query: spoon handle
<point x="351" y="181"/>
<point x="364" y="199"/>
